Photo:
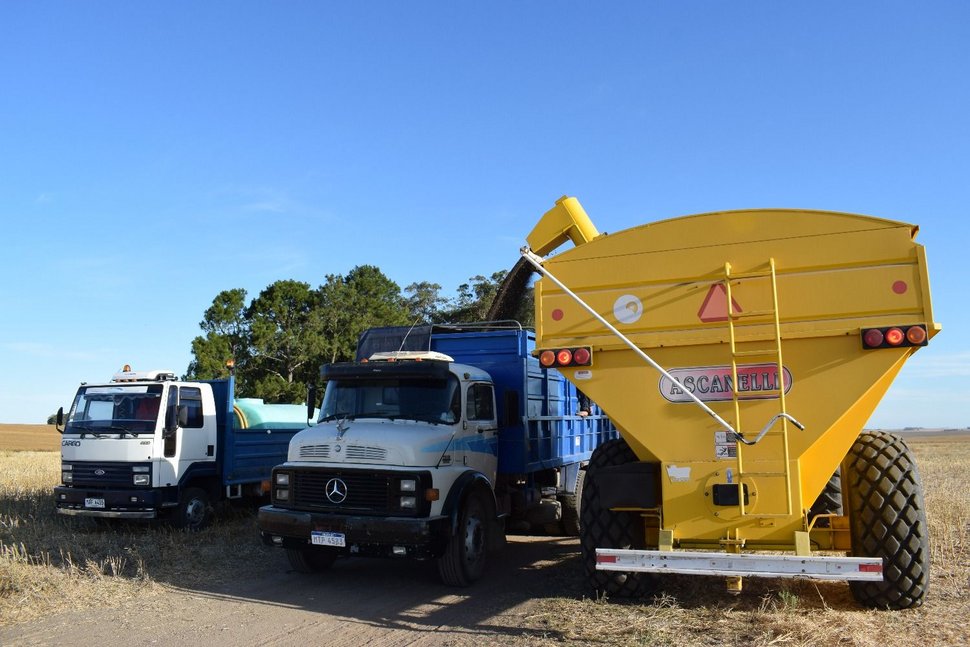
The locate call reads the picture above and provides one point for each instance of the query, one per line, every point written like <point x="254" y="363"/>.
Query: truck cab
<point x="146" y="445"/>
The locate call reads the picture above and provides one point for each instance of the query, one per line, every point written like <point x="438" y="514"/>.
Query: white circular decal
<point x="627" y="309"/>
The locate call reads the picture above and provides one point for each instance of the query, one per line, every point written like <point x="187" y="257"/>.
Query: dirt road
<point x="359" y="602"/>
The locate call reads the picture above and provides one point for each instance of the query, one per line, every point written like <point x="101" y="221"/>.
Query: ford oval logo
<point x="336" y="490"/>
<point x="99" y="472"/>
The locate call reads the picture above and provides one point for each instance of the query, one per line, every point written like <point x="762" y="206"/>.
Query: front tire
<point x="464" y="559"/>
<point x="311" y="559"/>
<point x="883" y="496"/>
<point x="601" y="528"/>
<point x="194" y="511"/>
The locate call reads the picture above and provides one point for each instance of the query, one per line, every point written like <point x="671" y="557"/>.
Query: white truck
<point x="148" y="446"/>
<point x="427" y="446"/>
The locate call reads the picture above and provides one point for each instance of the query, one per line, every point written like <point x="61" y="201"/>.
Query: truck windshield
<point x="115" y="409"/>
<point x="427" y="400"/>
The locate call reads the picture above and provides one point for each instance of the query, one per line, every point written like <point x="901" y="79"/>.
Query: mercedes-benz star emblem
<point x="336" y="490"/>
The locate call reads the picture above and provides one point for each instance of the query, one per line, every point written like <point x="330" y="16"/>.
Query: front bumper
<point x="368" y="536"/>
<point x="118" y="504"/>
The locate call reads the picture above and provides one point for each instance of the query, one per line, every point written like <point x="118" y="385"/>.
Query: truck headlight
<point x="282" y="478"/>
<point x="409" y="485"/>
<point x="142" y="479"/>
<point x="409" y="502"/>
<point x="283" y="494"/>
<point x="67" y="477"/>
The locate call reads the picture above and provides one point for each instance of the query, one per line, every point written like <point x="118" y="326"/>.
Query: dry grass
<point x="50" y="563"/>
<point x="698" y="611"/>
<point x="35" y="438"/>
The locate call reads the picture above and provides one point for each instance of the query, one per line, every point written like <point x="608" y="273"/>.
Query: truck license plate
<point x="320" y="538"/>
<point x="94" y="503"/>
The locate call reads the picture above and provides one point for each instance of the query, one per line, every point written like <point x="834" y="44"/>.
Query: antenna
<point x="404" y="341"/>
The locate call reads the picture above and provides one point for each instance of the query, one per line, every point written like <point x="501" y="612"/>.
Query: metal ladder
<point x="773" y="353"/>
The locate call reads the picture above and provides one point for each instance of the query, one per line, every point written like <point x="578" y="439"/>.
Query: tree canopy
<point x="281" y="338"/>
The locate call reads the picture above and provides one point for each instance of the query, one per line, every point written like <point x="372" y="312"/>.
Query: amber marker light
<point x="547" y="358"/>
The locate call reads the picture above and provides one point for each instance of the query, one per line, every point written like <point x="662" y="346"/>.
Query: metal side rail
<point x="866" y="569"/>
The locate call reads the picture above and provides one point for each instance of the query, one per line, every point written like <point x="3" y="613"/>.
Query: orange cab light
<point x="126" y="368"/>
<point x="894" y="336"/>
<point x="547" y="358"/>
<point x="873" y="338"/>
<point x="564" y="357"/>
<point x="432" y="494"/>
<point x="916" y="335"/>
<point x="581" y="356"/>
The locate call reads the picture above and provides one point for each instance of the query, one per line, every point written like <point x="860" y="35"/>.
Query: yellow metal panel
<point x="658" y="284"/>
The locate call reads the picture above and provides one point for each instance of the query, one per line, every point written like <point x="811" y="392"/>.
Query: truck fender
<point x="466" y="484"/>
<point x="201" y="475"/>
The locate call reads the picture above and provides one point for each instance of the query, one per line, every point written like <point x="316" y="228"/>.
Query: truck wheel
<point x="194" y="510"/>
<point x="829" y="501"/>
<point x="313" y="559"/>
<point x="601" y="528"/>
<point x="887" y="519"/>
<point x="464" y="558"/>
<point x="571" y="505"/>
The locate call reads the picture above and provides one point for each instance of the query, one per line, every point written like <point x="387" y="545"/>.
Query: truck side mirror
<point x="59" y="421"/>
<point x="311" y="399"/>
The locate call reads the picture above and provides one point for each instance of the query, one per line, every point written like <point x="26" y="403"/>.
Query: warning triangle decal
<point x="714" y="307"/>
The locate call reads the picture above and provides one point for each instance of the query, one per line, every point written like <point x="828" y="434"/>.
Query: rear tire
<point x="311" y="559"/>
<point x="887" y="518"/>
<point x="829" y="501"/>
<point x="601" y="528"/>
<point x="572" y="507"/>
<point x="464" y="559"/>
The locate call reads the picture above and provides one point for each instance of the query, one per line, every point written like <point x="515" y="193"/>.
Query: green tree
<point x="285" y="341"/>
<point x="424" y="302"/>
<point x="475" y="298"/>
<point x="226" y="329"/>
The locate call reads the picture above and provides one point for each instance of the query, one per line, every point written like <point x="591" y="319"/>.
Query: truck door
<point x="481" y="429"/>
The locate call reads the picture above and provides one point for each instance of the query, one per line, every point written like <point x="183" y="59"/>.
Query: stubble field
<point x="52" y="565"/>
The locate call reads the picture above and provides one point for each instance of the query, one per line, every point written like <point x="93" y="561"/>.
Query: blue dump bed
<point x="253" y="436"/>
<point x="539" y="425"/>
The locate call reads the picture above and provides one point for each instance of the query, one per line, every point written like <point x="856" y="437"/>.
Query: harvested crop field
<point x="153" y="584"/>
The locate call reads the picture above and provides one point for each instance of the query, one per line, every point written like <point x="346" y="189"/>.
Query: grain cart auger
<point x="740" y="354"/>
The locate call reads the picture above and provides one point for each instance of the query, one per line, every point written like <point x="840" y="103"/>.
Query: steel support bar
<point x="867" y="569"/>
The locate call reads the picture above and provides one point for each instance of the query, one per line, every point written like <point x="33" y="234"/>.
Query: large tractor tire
<point x="601" y="528"/>
<point x="883" y="497"/>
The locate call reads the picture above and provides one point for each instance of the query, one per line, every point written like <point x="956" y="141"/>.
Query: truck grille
<point x="353" y="452"/>
<point x="90" y="474"/>
<point x="366" y="492"/>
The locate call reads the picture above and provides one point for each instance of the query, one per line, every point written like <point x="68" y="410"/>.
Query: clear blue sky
<point x="154" y="154"/>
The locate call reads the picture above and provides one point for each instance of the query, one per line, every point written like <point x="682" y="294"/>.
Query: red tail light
<point x="894" y="337"/>
<point x="582" y="356"/>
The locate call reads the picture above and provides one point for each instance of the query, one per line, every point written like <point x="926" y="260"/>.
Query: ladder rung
<point x="753" y="313"/>
<point x="755" y="353"/>
<point x="750" y="275"/>
<point x="765" y="474"/>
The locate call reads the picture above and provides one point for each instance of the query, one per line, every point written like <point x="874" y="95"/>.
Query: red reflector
<point x="547" y="358"/>
<point x="564" y="357"/>
<point x="610" y="559"/>
<point x="872" y="338"/>
<point x="916" y="335"/>
<point x="581" y="356"/>
<point x="894" y="336"/>
<point x="870" y="568"/>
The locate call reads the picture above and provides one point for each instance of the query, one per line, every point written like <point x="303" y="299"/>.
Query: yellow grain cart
<point x="740" y="354"/>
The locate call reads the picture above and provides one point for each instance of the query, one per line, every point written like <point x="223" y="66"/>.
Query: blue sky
<point x="154" y="154"/>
